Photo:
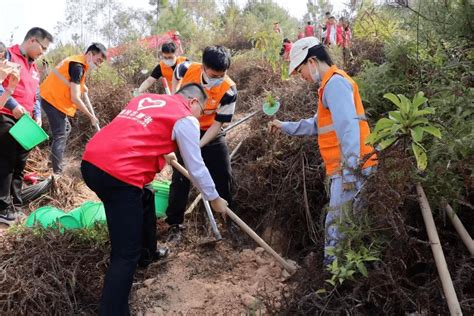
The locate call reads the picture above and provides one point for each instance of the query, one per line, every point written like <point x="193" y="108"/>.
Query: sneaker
<point x="8" y="216"/>
<point x="175" y="233"/>
<point x="160" y="253"/>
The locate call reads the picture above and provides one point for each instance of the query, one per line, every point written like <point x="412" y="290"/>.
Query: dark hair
<point x="39" y="33"/>
<point x="286" y="40"/>
<point x="327" y="13"/>
<point x="309" y="23"/>
<point x="320" y="53"/>
<point x="332" y="17"/>
<point x="168" y="48"/>
<point x="216" y="57"/>
<point x="97" y="48"/>
<point x="193" y="90"/>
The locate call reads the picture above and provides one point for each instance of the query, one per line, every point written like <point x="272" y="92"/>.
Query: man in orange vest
<point x="340" y="125"/>
<point x="61" y="96"/>
<point x="165" y="68"/>
<point x="21" y="101"/>
<point x="219" y="109"/>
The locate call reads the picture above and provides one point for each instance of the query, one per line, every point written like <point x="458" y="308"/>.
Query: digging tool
<point x="89" y="105"/>
<point x="165" y="85"/>
<point x="212" y="220"/>
<point x="288" y="266"/>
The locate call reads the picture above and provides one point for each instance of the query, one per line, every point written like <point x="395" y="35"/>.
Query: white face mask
<point x="211" y="82"/>
<point x="91" y="64"/>
<point x="169" y="62"/>
<point x="315" y="73"/>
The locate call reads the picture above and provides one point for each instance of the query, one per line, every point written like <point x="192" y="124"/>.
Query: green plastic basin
<point x="69" y="222"/>
<point x="92" y="212"/>
<point x="45" y="216"/>
<point x="28" y="133"/>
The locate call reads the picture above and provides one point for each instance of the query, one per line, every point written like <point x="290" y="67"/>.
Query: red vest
<point x="309" y="31"/>
<point x="131" y="147"/>
<point x="25" y="92"/>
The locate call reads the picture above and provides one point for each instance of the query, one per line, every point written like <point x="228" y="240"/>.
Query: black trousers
<point x="216" y="157"/>
<point x="12" y="162"/>
<point x="131" y="221"/>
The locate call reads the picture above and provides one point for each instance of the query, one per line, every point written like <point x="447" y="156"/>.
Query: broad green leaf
<point x="418" y="100"/>
<point x="392" y="97"/>
<point x="405" y="103"/>
<point x="383" y="123"/>
<point x="371" y="258"/>
<point x="419" y="121"/>
<point x="396" y="116"/>
<point x="362" y="269"/>
<point x="420" y="156"/>
<point x="332" y="282"/>
<point x="387" y="142"/>
<point x="321" y="291"/>
<point x="417" y="133"/>
<point x="432" y="130"/>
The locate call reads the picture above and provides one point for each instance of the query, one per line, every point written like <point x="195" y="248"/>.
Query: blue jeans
<point x="60" y="128"/>
<point x="339" y="199"/>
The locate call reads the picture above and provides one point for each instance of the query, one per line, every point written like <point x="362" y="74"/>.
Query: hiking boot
<point x="160" y="253"/>
<point x="175" y="233"/>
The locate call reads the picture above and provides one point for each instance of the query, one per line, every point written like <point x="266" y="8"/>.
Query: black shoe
<point x="160" y="253"/>
<point x="175" y="233"/>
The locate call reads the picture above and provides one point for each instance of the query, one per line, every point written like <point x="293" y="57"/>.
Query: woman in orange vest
<point x="340" y="125"/>
<point x="165" y="68"/>
<point x="61" y="96"/>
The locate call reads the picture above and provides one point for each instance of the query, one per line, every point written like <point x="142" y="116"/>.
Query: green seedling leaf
<point x="420" y="156"/>
<point x="432" y="130"/>
<point x="392" y="97"/>
<point x="417" y="133"/>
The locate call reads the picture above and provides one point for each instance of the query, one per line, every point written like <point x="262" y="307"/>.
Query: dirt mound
<point x="219" y="281"/>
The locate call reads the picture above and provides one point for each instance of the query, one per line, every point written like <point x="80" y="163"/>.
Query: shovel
<point x="290" y="267"/>
<point x="89" y="105"/>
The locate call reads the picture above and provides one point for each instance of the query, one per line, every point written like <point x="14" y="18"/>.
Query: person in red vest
<point x="285" y="50"/>
<point x="340" y="32"/>
<point x="176" y="38"/>
<point x="219" y="109"/>
<point x="165" y="68"/>
<point x="61" y="97"/>
<point x="124" y="157"/>
<point x="340" y="126"/>
<point x="309" y="30"/>
<point x="22" y="101"/>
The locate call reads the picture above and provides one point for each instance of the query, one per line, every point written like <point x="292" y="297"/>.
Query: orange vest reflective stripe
<point x="56" y="88"/>
<point x="167" y="71"/>
<point x="215" y="94"/>
<point x="329" y="144"/>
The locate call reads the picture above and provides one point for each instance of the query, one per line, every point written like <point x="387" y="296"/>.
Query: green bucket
<point x="92" y="212"/>
<point x="76" y="213"/>
<point x="162" y="191"/>
<point x="69" y="222"/>
<point x="46" y="216"/>
<point x="28" y="133"/>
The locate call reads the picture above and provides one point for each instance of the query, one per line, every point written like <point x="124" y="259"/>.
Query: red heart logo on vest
<point x="148" y="103"/>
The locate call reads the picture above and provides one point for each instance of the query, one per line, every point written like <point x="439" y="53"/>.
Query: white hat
<point x="299" y="51"/>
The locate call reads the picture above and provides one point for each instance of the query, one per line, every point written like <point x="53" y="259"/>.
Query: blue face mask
<point x="211" y="82"/>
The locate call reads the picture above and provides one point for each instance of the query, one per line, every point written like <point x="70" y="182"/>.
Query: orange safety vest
<point x="329" y="144"/>
<point x="215" y="94"/>
<point x="167" y="71"/>
<point x="56" y="88"/>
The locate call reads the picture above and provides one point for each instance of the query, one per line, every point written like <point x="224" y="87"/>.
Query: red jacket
<point x="132" y="146"/>
<point x="25" y="92"/>
<point x="339" y="35"/>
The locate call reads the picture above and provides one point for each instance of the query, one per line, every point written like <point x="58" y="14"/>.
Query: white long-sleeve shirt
<point x="187" y="135"/>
